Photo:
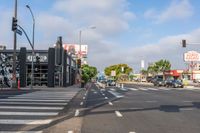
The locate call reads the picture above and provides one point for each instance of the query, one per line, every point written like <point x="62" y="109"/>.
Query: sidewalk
<point x="40" y="88"/>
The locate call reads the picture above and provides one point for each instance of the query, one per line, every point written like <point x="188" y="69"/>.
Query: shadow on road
<point x="163" y="108"/>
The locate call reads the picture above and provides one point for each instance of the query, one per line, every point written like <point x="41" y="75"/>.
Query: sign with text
<point x="76" y="49"/>
<point x="113" y="73"/>
<point x="192" y="56"/>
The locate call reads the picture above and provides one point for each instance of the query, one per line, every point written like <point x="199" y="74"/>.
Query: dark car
<point x="159" y="82"/>
<point x="111" y="83"/>
<point x="174" y="84"/>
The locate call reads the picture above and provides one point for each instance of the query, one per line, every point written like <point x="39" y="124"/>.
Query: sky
<point x="127" y="31"/>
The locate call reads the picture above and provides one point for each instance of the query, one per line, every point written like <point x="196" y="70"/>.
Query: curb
<point x="84" y="111"/>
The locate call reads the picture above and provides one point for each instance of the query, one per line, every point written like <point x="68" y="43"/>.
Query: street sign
<point x="19" y="32"/>
<point x="142" y="64"/>
<point x="192" y="56"/>
<point x="113" y="73"/>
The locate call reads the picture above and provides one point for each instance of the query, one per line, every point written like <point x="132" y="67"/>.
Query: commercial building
<point x="46" y="72"/>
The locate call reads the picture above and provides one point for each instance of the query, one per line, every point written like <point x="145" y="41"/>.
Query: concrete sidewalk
<point x="40" y="88"/>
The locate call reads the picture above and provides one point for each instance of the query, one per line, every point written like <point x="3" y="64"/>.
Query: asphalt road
<point x="143" y="109"/>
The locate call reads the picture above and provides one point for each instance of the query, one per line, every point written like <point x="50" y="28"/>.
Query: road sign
<point x="19" y="32"/>
<point x="113" y="73"/>
<point x="192" y="56"/>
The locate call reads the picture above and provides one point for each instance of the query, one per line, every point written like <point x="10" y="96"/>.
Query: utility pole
<point x="14" y="49"/>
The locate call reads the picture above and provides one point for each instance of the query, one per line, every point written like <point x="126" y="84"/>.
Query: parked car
<point x="159" y="82"/>
<point x="149" y="79"/>
<point x="174" y="84"/>
<point x="111" y="82"/>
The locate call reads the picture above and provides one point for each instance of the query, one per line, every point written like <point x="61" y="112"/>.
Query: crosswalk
<point x="153" y="89"/>
<point x="160" y="89"/>
<point x="31" y="110"/>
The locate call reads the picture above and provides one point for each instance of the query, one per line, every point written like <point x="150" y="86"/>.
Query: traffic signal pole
<point x="14" y="51"/>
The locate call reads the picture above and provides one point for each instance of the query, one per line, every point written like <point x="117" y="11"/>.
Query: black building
<point x="46" y="72"/>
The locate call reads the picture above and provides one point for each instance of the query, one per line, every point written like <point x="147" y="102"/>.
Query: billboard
<point x="191" y="56"/>
<point x="76" y="50"/>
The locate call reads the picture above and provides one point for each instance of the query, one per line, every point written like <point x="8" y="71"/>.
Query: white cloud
<point x="107" y="53"/>
<point x="178" y="9"/>
<point x="5" y="26"/>
<point x="109" y="16"/>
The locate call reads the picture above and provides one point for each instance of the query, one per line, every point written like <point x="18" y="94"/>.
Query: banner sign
<point x="192" y="56"/>
<point x="76" y="49"/>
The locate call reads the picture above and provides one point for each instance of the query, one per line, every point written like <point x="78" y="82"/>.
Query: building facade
<point x="46" y="72"/>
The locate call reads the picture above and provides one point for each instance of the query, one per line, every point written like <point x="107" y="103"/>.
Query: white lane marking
<point x="25" y="122"/>
<point x="123" y="89"/>
<point x="143" y="89"/>
<point x="103" y="94"/>
<point x="83" y="98"/>
<point x="30" y="107"/>
<point x="106" y="97"/>
<point x="70" y="132"/>
<point x="186" y="109"/>
<point x="95" y="92"/>
<point x="154" y="89"/>
<point x="112" y="89"/>
<point x="151" y="101"/>
<point x="118" y="114"/>
<point x="110" y="103"/>
<point x="187" y="101"/>
<point x="33" y="100"/>
<point x="133" y="89"/>
<point x="42" y="98"/>
<point x="132" y="132"/>
<point x="77" y="112"/>
<point x="35" y="103"/>
<point x="30" y="113"/>
<point x="21" y="131"/>
<point x="81" y="103"/>
<point x="116" y="94"/>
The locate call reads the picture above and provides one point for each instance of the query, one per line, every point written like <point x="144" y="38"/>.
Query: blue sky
<point x="128" y="31"/>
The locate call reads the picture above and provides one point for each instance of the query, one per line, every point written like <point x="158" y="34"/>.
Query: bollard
<point x="18" y="84"/>
<point x="122" y="86"/>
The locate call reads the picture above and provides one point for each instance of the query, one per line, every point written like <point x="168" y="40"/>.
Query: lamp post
<point x="79" y="55"/>
<point x="80" y="39"/>
<point x="33" y="39"/>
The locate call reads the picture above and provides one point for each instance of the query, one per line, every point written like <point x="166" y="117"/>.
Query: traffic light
<point x="59" y="51"/>
<point x="14" y="24"/>
<point x="37" y="59"/>
<point x="183" y="43"/>
<point x="79" y="63"/>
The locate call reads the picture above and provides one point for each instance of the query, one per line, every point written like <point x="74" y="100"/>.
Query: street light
<point x="80" y="38"/>
<point x="79" y="58"/>
<point x="33" y="39"/>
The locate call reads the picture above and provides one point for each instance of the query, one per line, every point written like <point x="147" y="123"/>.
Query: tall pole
<point x="14" y="50"/>
<point x="80" y="41"/>
<point x="33" y="43"/>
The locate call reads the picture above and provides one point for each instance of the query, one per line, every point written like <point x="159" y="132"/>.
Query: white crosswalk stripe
<point x="161" y="89"/>
<point x="144" y="89"/>
<point x="154" y="89"/>
<point x="35" y="108"/>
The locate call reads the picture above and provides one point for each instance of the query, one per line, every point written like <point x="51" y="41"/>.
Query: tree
<point x="88" y="72"/>
<point x="118" y="69"/>
<point x="159" y="66"/>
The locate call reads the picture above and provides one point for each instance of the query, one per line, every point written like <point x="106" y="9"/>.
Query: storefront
<point x="173" y="74"/>
<point x="45" y="72"/>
